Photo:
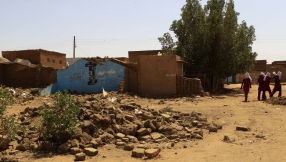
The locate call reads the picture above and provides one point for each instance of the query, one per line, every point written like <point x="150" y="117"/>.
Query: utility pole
<point x="73" y="46"/>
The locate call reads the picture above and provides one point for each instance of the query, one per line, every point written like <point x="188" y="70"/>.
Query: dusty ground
<point x="264" y="119"/>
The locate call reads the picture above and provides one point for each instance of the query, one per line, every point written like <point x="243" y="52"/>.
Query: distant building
<point x="260" y="66"/>
<point x="39" y="56"/>
<point x="279" y="63"/>
<point x="21" y="73"/>
<point x="133" y="55"/>
<point x="71" y="61"/>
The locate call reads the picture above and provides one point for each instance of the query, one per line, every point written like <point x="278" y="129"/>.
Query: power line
<point x="82" y="51"/>
<point x="52" y="44"/>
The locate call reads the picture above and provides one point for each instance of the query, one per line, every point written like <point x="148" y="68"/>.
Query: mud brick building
<point x="262" y="66"/>
<point x="21" y="73"/>
<point x="259" y="66"/>
<point x="278" y="66"/>
<point x="155" y="75"/>
<point x="133" y="55"/>
<point x="39" y="57"/>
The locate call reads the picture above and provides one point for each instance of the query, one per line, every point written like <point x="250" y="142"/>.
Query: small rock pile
<point x="277" y="100"/>
<point x="23" y="95"/>
<point x="118" y="120"/>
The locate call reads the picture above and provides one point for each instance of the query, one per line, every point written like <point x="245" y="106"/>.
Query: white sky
<point x="112" y="27"/>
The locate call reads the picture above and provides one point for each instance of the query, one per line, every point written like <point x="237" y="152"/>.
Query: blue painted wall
<point x="87" y="77"/>
<point x="50" y="89"/>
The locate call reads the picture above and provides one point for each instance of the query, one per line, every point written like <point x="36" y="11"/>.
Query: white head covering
<point x="262" y="74"/>
<point x="267" y="75"/>
<point x="279" y="74"/>
<point x="248" y="76"/>
<point x="274" y="73"/>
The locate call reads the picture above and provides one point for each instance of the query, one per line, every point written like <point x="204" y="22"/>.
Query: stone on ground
<point x="90" y="151"/>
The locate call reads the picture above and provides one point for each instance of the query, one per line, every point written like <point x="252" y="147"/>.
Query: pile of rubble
<point x="277" y="100"/>
<point x="23" y="95"/>
<point x="114" y="120"/>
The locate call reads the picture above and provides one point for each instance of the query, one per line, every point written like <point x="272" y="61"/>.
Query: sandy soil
<point x="264" y="119"/>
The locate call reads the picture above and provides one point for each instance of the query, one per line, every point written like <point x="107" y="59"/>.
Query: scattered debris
<point x="260" y="136"/>
<point x="277" y="100"/>
<point x="104" y="93"/>
<point x="227" y="139"/>
<point x="242" y="128"/>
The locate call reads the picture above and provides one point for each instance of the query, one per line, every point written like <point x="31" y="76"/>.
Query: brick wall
<point x="133" y="55"/>
<point x="53" y="59"/>
<point x="43" y="57"/>
<point x="47" y="76"/>
<point x="32" y="55"/>
<point x="259" y="65"/>
<point x="132" y="81"/>
<point x="254" y="76"/>
<point x="188" y="86"/>
<point x="1" y="75"/>
<point x="184" y="86"/>
<point x="157" y="75"/>
<point x="283" y="71"/>
<point x="17" y="75"/>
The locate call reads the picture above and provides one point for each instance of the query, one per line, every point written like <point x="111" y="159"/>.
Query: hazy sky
<point x="114" y="27"/>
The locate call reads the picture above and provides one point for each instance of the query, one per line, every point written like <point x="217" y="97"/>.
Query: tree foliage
<point x="5" y="99"/>
<point x="60" y="120"/>
<point x="211" y="40"/>
<point x="8" y="126"/>
<point x="167" y="44"/>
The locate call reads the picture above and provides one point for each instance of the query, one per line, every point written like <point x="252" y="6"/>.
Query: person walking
<point x="277" y="85"/>
<point x="266" y="85"/>
<point x="246" y="84"/>
<point x="260" y="84"/>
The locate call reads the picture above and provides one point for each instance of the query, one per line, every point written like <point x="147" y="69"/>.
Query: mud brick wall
<point x="53" y="59"/>
<point x="17" y="75"/>
<point x="47" y="76"/>
<point x="121" y="87"/>
<point x="259" y="65"/>
<point x="132" y="81"/>
<point x="188" y="86"/>
<point x="32" y="55"/>
<point x="254" y="76"/>
<point x="283" y="71"/>
<point x="1" y="75"/>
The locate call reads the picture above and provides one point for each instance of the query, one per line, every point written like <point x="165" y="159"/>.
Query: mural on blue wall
<point x="91" y="66"/>
<point x="89" y="77"/>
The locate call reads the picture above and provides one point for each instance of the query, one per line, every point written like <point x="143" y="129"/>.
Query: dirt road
<point x="266" y="141"/>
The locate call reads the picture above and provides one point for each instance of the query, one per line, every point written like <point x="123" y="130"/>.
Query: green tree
<point x="243" y="48"/>
<point x="211" y="41"/>
<point x="167" y="44"/>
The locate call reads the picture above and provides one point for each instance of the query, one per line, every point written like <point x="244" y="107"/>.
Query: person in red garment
<point x="277" y="85"/>
<point x="260" y="84"/>
<point x="246" y="84"/>
<point x="266" y="85"/>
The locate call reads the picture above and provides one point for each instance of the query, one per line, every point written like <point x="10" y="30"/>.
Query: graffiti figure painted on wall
<point x="91" y="67"/>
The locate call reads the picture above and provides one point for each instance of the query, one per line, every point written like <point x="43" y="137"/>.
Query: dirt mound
<point x="277" y="100"/>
